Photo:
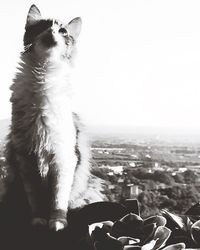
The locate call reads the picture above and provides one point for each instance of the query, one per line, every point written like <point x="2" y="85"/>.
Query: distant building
<point x="116" y="169"/>
<point x="132" y="164"/>
<point x="134" y="190"/>
<point x="161" y="186"/>
<point x="148" y="156"/>
<point x="182" y="170"/>
<point x="2" y="158"/>
<point x="134" y="156"/>
<point x="120" y="180"/>
<point x="110" y="186"/>
<point x="157" y="166"/>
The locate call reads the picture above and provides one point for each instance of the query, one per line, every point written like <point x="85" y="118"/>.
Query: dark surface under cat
<point x="16" y="232"/>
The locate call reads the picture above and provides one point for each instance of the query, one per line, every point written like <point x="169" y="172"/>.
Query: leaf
<point x="132" y="219"/>
<point x="119" y="229"/>
<point x="133" y="224"/>
<point x="93" y="226"/>
<point x="161" y="235"/>
<point x="98" y="234"/>
<point x="110" y="243"/>
<point x="195" y="232"/>
<point x="128" y="240"/>
<point x="178" y="246"/>
<point x="105" y="225"/>
<point x="148" y="232"/>
<point x="159" y="220"/>
<point x="128" y="247"/>
<point x="150" y="245"/>
<point x="173" y="220"/>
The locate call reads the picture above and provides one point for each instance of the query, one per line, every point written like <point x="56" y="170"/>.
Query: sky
<point x="138" y="62"/>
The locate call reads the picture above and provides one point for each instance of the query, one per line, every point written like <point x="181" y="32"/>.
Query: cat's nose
<point x="53" y="30"/>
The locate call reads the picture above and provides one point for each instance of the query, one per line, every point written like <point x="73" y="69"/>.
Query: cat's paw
<point x="37" y="221"/>
<point x="57" y="225"/>
<point x="58" y="220"/>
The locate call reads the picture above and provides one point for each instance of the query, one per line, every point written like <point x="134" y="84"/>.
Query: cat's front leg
<point x="61" y="176"/>
<point x="34" y="188"/>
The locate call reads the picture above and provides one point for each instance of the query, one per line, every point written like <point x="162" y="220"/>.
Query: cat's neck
<point x="45" y="64"/>
<point x="42" y="83"/>
<point x="45" y="72"/>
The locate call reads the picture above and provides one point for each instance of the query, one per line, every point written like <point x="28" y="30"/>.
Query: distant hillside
<point x="151" y="135"/>
<point x="130" y="134"/>
<point x="4" y="127"/>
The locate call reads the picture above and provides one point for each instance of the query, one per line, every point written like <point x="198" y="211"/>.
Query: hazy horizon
<point x="128" y="128"/>
<point x="129" y="133"/>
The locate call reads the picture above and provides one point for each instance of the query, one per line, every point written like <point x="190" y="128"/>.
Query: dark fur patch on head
<point x="48" y="40"/>
<point x="36" y="29"/>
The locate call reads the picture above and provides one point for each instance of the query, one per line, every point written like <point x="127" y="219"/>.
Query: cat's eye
<point x="63" y="31"/>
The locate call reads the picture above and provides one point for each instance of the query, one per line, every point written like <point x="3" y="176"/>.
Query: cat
<point x="46" y="144"/>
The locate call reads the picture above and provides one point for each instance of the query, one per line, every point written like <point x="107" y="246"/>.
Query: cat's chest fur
<point x="42" y="97"/>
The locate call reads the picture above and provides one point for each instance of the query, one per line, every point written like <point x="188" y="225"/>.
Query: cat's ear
<point x="74" y="27"/>
<point x="33" y="16"/>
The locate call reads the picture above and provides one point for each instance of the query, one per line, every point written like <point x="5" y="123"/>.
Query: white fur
<point x="62" y="132"/>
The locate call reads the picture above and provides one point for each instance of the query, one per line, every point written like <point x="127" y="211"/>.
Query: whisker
<point x="26" y="48"/>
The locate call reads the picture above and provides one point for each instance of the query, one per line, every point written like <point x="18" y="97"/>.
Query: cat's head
<point x="47" y="37"/>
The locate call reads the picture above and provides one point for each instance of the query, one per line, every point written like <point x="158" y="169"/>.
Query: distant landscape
<point x="161" y="168"/>
<point x="4" y="128"/>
